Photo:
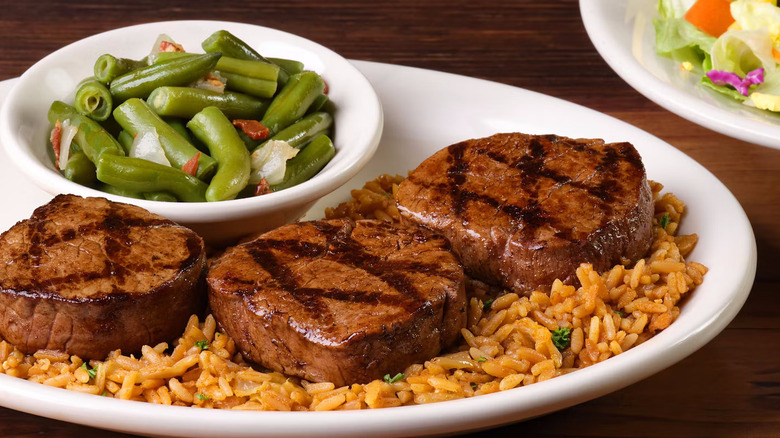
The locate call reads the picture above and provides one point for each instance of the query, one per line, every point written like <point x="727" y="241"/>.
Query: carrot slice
<point x="191" y="166"/>
<point x="711" y="16"/>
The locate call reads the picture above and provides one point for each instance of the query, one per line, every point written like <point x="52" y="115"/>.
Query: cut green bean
<point x="111" y="126"/>
<point x="91" y="138"/>
<point x="293" y="101"/>
<point x="307" y="163"/>
<point x="126" y="140"/>
<point x="164" y="57"/>
<point x="108" y="67"/>
<point x="251" y="86"/>
<point x="135" y="116"/>
<point x="300" y="133"/>
<point x="318" y="104"/>
<point x="186" y="102"/>
<point x="178" y="125"/>
<point x="108" y="188"/>
<point x="140" y="83"/>
<point x="215" y="130"/>
<point x="79" y="169"/>
<point x="93" y="99"/>
<point x="160" y="197"/>
<point x="245" y="67"/>
<point x="141" y="176"/>
<point x="226" y="64"/>
<point x="291" y="66"/>
<point x="231" y="46"/>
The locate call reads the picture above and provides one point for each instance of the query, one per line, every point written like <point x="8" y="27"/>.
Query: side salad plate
<point x="724" y="84"/>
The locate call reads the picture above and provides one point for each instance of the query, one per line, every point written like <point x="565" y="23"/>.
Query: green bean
<point x="307" y="163"/>
<point x="164" y="57"/>
<point x="245" y="67"/>
<point x="139" y="175"/>
<point x="135" y="116"/>
<point x="230" y="45"/>
<point x="140" y="83"/>
<point x="252" y="86"/>
<point x="178" y="126"/>
<point x="93" y="99"/>
<point x="160" y="197"/>
<point x="226" y="64"/>
<point x="108" y="188"/>
<point x="91" y="138"/>
<point x="214" y="129"/>
<point x="300" y="133"/>
<point x="281" y="95"/>
<point x="108" y="67"/>
<point x="111" y="126"/>
<point x="291" y="66"/>
<point x="79" y="169"/>
<point x="186" y="102"/>
<point x="126" y="140"/>
<point x="292" y="102"/>
<point x="318" y="103"/>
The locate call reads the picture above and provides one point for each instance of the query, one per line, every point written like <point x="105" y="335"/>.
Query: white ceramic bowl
<point x="358" y="120"/>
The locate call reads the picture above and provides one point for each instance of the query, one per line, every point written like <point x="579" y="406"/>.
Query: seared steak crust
<point x="522" y="210"/>
<point x="88" y="276"/>
<point x="339" y="301"/>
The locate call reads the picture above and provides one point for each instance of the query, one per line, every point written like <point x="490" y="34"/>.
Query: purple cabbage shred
<point x="721" y="78"/>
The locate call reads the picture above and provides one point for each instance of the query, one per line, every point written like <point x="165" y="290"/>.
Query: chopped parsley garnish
<point x="474" y="385"/>
<point x="393" y="379"/>
<point x="664" y="221"/>
<point x="202" y="397"/>
<point x="91" y="371"/>
<point x="561" y="337"/>
<point x="105" y="393"/>
<point x="619" y="313"/>
<point x="203" y="345"/>
<point x="487" y="304"/>
<point x="482" y="359"/>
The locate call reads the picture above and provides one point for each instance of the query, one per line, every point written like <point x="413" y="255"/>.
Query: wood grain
<point x="728" y="388"/>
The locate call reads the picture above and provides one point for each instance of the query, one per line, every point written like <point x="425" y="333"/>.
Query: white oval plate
<point x="628" y="46"/>
<point x="424" y="112"/>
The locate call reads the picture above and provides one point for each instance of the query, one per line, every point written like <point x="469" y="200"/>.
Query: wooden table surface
<point x="731" y="387"/>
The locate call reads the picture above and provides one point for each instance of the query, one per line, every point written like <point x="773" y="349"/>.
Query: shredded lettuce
<point x="752" y="15"/>
<point x="680" y="40"/>
<point x="674" y="8"/>
<point x="742" y="51"/>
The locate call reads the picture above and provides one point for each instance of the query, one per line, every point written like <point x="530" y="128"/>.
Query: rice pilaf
<point x="510" y="340"/>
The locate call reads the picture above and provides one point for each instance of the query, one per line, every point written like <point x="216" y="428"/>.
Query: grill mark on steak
<point x="533" y="167"/>
<point x="350" y="253"/>
<point x="116" y="231"/>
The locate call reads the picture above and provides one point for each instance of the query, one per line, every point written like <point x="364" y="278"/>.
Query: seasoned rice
<point x="508" y="341"/>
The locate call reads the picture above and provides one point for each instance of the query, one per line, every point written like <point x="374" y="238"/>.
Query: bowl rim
<point x="51" y="181"/>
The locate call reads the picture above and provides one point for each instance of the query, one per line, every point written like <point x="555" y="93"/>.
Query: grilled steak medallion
<point x="339" y="301"/>
<point x="89" y="276"/>
<point x="522" y="210"/>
